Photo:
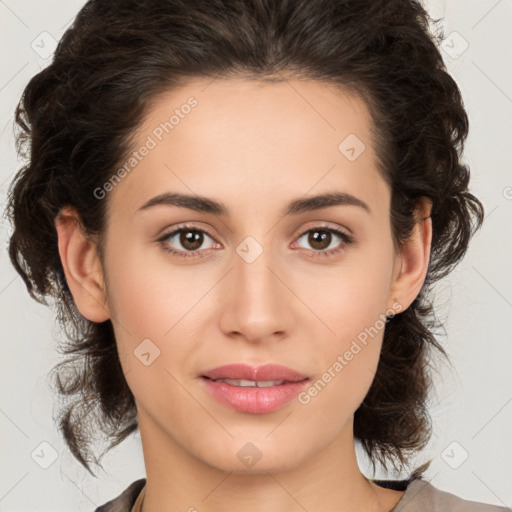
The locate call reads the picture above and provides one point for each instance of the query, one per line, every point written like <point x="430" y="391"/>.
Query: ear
<point x="82" y="266"/>
<point x="412" y="261"/>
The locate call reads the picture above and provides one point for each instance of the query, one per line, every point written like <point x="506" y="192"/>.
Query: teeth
<point x="251" y="383"/>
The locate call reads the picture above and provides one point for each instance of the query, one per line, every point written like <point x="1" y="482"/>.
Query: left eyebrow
<point x="295" y="207"/>
<point x="313" y="203"/>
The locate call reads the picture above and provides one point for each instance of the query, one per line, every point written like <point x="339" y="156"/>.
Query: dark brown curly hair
<point x="75" y="121"/>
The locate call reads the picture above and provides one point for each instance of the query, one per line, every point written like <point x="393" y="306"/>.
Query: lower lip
<point x="254" y="400"/>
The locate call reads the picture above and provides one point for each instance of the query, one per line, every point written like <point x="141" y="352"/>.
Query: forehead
<point x="286" y="109"/>
<point x="256" y="136"/>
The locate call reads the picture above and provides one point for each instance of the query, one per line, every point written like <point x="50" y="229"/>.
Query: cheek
<point x="150" y="292"/>
<point x="150" y="299"/>
<point x="353" y="305"/>
<point x="354" y="296"/>
<point x="347" y="363"/>
<point x="153" y="310"/>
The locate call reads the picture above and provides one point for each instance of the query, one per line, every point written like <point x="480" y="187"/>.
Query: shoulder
<point x="125" y="501"/>
<point x="419" y="496"/>
<point x="422" y="496"/>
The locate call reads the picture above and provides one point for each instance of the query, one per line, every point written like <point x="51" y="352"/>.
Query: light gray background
<point x="472" y="409"/>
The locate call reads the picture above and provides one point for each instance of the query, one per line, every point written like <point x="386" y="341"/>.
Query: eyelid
<point x="325" y="225"/>
<point x="167" y="232"/>
<point x="184" y="227"/>
<point x="346" y="239"/>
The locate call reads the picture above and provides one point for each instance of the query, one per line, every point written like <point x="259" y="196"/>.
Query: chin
<point x="244" y="457"/>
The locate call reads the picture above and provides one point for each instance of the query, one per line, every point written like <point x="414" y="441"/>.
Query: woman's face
<point x="261" y="281"/>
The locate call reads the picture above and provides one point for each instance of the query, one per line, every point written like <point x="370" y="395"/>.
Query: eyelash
<point x="346" y="240"/>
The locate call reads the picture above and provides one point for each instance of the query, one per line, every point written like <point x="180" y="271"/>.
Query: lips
<point x="254" y="390"/>
<point x="268" y="372"/>
<point x="242" y="383"/>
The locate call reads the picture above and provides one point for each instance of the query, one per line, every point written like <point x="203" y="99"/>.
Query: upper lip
<point x="257" y="373"/>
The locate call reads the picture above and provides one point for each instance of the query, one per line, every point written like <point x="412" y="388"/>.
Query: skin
<point x="253" y="147"/>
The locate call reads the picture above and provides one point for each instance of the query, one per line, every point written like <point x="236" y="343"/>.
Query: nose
<point x="256" y="303"/>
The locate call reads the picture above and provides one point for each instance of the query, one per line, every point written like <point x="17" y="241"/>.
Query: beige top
<point x="419" y="496"/>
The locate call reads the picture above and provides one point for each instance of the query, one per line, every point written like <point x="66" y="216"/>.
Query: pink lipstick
<point x="255" y="390"/>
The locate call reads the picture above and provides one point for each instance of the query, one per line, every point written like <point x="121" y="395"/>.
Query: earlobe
<point x="414" y="258"/>
<point x="82" y="266"/>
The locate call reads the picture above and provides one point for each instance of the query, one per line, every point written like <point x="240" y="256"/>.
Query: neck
<point x="329" y="481"/>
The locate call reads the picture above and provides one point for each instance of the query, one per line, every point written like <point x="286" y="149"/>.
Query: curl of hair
<point x="76" y="117"/>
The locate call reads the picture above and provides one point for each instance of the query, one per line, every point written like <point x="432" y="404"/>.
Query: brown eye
<point x="319" y="239"/>
<point x="191" y="240"/>
<point x="187" y="241"/>
<point x="325" y="241"/>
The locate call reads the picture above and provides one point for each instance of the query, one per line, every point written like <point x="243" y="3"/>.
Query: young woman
<point x="239" y="208"/>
